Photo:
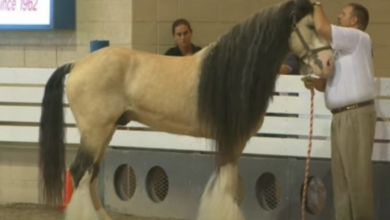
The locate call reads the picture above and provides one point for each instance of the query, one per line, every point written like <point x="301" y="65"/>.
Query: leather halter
<point x="309" y="52"/>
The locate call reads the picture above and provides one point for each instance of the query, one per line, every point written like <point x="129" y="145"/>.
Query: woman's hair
<point x="180" y="22"/>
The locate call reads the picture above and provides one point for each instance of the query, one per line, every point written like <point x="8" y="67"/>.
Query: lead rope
<point x="307" y="167"/>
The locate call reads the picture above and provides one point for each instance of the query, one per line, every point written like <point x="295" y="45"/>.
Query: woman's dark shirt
<point x="175" y="51"/>
<point x="293" y="62"/>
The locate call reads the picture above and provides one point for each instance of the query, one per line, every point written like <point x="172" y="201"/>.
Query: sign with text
<point x="37" y="14"/>
<point x="25" y="12"/>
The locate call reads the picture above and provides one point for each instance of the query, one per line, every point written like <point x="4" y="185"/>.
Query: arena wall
<point x="96" y="19"/>
<point x="19" y="172"/>
<point x="146" y="25"/>
<point x="212" y="18"/>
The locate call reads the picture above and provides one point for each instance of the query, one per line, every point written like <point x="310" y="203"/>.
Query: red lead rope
<point x="308" y="156"/>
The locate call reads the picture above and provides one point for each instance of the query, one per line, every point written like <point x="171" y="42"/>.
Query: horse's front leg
<point x="219" y="199"/>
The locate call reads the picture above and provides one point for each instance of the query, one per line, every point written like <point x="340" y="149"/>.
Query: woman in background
<point x="182" y="34"/>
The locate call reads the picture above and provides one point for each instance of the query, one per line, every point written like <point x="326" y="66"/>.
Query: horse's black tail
<point x="51" y="138"/>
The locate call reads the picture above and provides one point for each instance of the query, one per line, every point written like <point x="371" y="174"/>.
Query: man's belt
<point x="354" y="106"/>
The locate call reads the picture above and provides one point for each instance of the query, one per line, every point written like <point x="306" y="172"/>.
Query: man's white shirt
<point x="353" y="79"/>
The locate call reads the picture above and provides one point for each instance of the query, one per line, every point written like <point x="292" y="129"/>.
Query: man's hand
<point x="321" y="22"/>
<point x="308" y="84"/>
<point x="314" y="83"/>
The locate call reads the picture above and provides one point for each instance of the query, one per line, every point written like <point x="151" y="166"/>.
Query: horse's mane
<point x="239" y="72"/>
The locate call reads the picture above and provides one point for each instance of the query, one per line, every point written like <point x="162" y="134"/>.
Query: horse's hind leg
<point x="81" y="206"/>
<point x="95" y="138"/>
<point x="123" y="120"/>
<point x="95" y="192"/>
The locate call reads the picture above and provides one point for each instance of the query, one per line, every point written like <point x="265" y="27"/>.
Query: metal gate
<point x="170" y="184"/>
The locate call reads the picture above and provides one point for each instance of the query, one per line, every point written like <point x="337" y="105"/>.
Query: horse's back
<point x="159" y="91"/>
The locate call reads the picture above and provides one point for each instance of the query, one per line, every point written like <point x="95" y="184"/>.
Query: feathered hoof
<point x="81" y="206"/>
<point x="218" y="200"/>
<point x="103" y="214"/>
<point x="220" y="209"/>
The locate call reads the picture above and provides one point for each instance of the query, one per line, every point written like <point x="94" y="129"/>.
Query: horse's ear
<point x="297" y="1"/>
<point x="302" y="8"/>
<point x="301" y="3"/>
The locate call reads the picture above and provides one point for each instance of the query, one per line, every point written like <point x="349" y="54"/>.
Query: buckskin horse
<point x="221" y="93"/>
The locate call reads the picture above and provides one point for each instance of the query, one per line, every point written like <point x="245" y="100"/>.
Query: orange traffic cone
<point x="68" y="191"/>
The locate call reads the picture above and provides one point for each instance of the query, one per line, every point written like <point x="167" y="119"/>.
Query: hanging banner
<point x="25" y="12"/>
<point x="37" y="14"/>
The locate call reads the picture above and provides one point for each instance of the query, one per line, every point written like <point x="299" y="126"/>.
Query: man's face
<point x="346" y="17"/>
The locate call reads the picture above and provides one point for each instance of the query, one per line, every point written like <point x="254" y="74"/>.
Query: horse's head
<point x="314" y="50"/>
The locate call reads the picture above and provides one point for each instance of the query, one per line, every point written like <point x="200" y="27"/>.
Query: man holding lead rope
<point x="349" y="95"/>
